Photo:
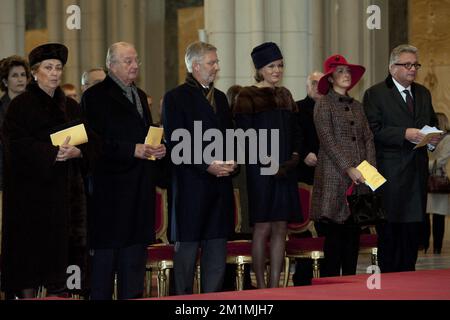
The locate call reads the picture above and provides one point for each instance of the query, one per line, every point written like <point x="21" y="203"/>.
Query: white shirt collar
<point x="400" y="87"/>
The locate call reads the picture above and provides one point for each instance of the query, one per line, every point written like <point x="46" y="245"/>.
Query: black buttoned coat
<point x="202" y="203"/>
<point x="405" y="169"/>
<point x="345" y="141"/>
<point x="123" y="196"/>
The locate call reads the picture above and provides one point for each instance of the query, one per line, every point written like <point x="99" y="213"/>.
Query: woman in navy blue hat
<point x="39" y="180"/>
<point x="272" y="194"/>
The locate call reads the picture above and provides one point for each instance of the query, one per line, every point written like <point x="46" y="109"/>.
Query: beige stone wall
<point x="190" y="20"/>
<point x="429" y="30"/>
<point x="33" y="38"/>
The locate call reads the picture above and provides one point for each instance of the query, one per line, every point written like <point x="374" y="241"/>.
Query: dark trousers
<point x="129" y="263"/>
<point x="212" y="265"/>
<point x="438" y="231"/>
<point x="398" y="244"/>
<point x="341" y="249"/>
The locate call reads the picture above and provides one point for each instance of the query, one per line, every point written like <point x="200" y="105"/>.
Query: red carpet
<point x="419" y="285"/>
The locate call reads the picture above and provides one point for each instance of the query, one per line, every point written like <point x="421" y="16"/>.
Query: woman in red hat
<point x="272" y="197"/>
<point x="39" y="180"/>
<point x="345" y="141"/>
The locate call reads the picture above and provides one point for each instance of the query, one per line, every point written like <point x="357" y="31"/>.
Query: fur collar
<point x="254" y="100"/>
<point x="58" y="99"/>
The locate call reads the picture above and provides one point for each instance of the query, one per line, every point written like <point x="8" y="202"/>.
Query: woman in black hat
<point x="38" y="180"/>
<point x="272" y="188"/>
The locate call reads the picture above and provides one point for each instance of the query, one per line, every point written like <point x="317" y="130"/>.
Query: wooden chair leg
<point x="199" y="280"/>
<point x="315" y="256"/>
<point x="287" y="267"/>
<point x="374" y="256"/>
<point x="41" y="292"/>
<point x="162" y="282"/>
<point x="239" y="276"/>
<point x="167" y="285"/>
<point x="148" y="283"/>
<point x="115" y="294"/>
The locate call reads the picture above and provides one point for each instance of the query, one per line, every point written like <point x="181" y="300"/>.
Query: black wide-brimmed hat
<point x="48" y="51"/>
<point x="265" y="53"/>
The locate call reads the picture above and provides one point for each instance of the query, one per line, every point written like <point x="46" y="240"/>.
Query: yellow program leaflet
<point x="77" y="136"/>
<point x="154" y="138"/>
<point x="373" y="178"/>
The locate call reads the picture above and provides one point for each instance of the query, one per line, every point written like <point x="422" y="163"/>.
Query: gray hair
<point x="85" y="75"/>
<point x="195" y="52"/>
<point x="312" y="74"/>
<point x="111" y="56"/>
<point x="397" y="51"/>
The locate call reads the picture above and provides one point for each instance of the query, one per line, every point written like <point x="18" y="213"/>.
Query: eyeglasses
<point x="129" y="62"/>
<point x="408" y="65"/>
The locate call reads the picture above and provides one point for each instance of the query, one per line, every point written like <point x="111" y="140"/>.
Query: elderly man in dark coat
<point x="397" y="109"/>
<point x="121" y="215"/>
<point x="202" y="198"/>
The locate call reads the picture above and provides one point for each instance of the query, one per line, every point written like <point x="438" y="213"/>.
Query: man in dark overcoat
<point x="397" y="109"/>
<point x="122" y="213"/>
<point x="202" y="212"/>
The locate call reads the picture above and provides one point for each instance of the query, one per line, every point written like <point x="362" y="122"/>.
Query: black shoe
<point x="437" y="251"/>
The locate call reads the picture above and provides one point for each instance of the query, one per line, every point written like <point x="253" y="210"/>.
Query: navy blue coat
<point x="270" y="197"/>
<point x="123" y="196"/>
<point x="202" y="204"/>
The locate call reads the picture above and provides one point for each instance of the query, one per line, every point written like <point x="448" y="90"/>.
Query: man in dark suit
<point x="121" y="214"/>
<point x="202" y="193"/>
<point x="397" y="109"/>
<point x="306" y="123"/>
<point x="308" y="155"/>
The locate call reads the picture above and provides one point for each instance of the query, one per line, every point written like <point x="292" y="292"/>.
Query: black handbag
<point x="438" y="183"/>
<point x="366" y="209"/>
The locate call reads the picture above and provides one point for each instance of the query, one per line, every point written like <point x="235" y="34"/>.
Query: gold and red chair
<point x="368" y="244"/>
<point x="160" y="255"/>
<point x="239" y="252"/>
<point x="303" y="247"/>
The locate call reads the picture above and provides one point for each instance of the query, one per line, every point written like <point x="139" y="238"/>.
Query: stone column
<point x="12" y="28"/>
<point x="295" y="25"/>
<point x="249" y="33"/>
<point x="127" y="20"/>
<point x="55" y="21"/>
<point x="20" y="27"/>
<point x="295" y="45"/>
<point x="71" y="38"/>
<point x="347" y="33"/>
<point x="152" y="52"/>
<point x="220" y="24"/>
<point x="93" y="34"/>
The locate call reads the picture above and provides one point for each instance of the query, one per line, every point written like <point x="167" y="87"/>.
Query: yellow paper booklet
<point x="154" y="137"/>
<point x="77" y="135"/>
<point x="374" y="179"/>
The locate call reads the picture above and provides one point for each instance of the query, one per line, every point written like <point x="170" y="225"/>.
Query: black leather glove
<point x="288" y="166"/>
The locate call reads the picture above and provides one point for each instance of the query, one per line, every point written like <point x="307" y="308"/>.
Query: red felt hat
<point x="330" y="66"/>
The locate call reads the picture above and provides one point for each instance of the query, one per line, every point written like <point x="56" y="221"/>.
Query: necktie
<point x="409" y="101"/>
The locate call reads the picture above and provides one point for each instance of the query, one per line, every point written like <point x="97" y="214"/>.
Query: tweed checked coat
<point x="345" y="141"/>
